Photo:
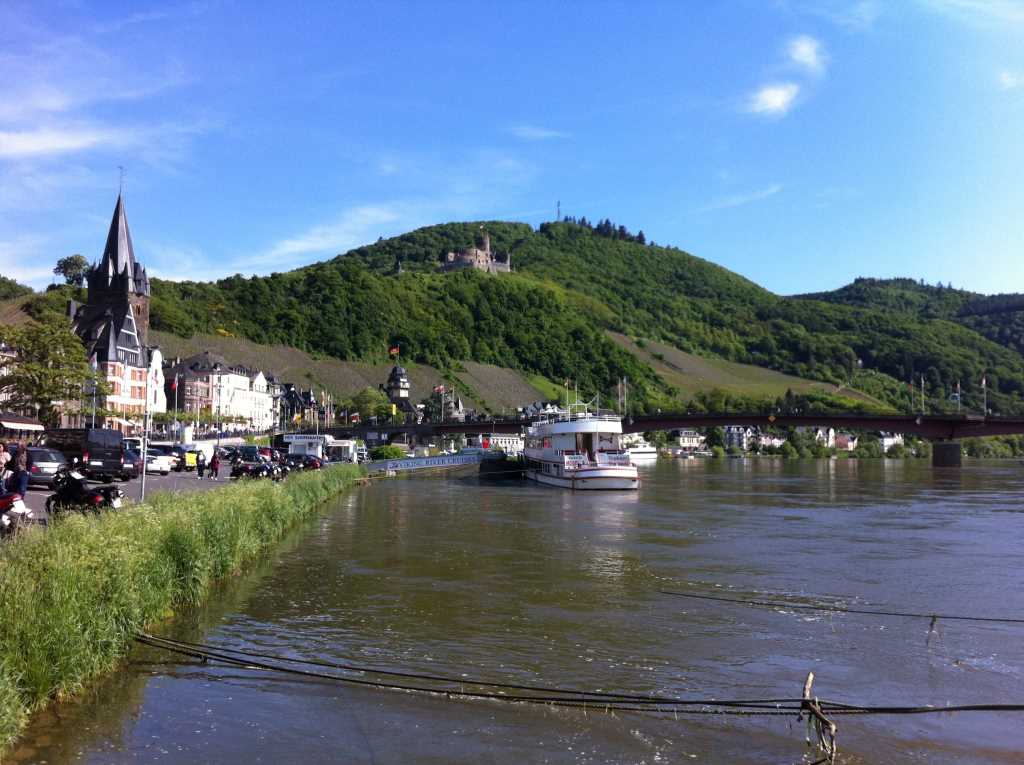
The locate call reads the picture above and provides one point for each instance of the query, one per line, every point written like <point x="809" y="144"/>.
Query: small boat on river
<point x="578" y="449"/>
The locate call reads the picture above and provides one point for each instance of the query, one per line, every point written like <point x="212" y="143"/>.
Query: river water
<point x="520" y="583"/>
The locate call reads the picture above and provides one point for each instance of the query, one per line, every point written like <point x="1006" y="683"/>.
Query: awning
<point x="17" y="422"/>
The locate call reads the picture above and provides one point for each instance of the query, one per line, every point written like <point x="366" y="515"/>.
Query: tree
<point x="49" y="367"/>
<point x="388" y="452"/>
<point x="369" y="402"/>
<point x="73" y="269"/>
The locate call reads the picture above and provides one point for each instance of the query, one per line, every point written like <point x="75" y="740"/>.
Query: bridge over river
<point x="944" y="430"/>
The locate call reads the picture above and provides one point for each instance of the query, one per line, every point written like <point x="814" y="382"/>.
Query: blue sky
<point x="800" y="144"/>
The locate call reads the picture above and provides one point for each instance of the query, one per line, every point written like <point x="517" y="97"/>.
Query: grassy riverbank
<point x="72" y="596"/>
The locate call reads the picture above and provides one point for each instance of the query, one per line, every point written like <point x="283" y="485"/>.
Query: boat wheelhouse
<point x="578" y="449"/>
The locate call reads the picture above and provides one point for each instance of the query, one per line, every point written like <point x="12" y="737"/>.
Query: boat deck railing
<point x="569" y="415"/>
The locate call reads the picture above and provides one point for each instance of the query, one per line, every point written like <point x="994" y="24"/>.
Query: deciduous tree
<point x="49" y="367"/>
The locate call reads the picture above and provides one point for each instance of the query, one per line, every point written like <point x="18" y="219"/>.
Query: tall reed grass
<point x="72" y="596"/>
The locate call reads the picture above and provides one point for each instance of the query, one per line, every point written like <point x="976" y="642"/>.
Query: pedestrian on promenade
<point x="16" y="481"/>
<point x="5" y="457"/>
<point x="200" y="464"/>
<point x="214" y="466"/>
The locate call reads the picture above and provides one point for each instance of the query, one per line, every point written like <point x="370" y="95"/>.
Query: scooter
<point x="14" y="514"/>
<point x="72" y="493"/>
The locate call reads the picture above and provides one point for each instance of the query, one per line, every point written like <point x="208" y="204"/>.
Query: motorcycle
<point x="14" y="514"/>
<point x="251" y="470"/>
<point x="71" y="492"/>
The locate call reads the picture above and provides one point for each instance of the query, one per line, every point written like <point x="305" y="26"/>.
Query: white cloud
<point x="354" y="227"/>
<point x="738" y="200"/>
<point x="16" y="144"/>
<point x="857" y="17"/>
<point x="773" y="100"/>
<point x="1010" y="80"/>
<point x="806" y="53"/>
<point x="534" y="133"/>
<point x="980" y="11"/>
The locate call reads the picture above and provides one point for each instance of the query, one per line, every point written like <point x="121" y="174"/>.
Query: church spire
<point x="119" y="255"/>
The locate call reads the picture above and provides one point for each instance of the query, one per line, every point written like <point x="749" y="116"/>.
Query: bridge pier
<point x="946" y="454"/>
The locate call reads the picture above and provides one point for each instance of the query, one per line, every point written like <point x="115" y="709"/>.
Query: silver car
<point x="43" y="464"/>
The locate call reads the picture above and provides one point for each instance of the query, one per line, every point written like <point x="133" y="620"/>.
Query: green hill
<point x="999" y="318"/>
<point x="573" y="284"/>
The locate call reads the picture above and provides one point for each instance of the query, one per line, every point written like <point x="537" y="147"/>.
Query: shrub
<point x="388" y="452"/>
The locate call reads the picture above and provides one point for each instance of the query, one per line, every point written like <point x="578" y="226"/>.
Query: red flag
<point x="174" y="383"/>
<point x="393" y="350"/>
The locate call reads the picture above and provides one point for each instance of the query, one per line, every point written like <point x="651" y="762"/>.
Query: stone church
<point x="114" y="326"/>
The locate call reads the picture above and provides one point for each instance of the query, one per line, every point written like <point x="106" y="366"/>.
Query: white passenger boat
<point x="639" y="449"/>
<point x="578" y="449"/>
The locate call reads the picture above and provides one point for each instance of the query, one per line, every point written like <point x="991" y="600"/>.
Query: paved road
<point x="36" y="499"/>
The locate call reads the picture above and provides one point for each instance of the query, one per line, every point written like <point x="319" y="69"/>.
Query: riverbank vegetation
<point x="72" y="596"/>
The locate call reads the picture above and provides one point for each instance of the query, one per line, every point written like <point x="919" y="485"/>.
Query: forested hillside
<point x="999" y="318"/>
<point x="11" y="289"/>
<point x="573" y="282"/>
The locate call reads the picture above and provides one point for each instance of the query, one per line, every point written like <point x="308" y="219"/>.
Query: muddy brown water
<point x="521" y="583"/>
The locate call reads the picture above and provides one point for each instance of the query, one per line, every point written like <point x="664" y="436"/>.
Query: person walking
<point x="214" y="466"/>
<point x="5" y="457"/>
<point x="200" y="464"/>
<point x="16" y="479"/>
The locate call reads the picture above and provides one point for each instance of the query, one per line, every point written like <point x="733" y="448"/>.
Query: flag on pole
<point x="174" y="382"/>
<point x="438" y="389"/>
<point x="982" y="382"/>
<point x="394" y="350"/>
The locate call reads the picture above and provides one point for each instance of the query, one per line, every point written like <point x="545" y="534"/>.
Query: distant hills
<point x="579" y="298"/>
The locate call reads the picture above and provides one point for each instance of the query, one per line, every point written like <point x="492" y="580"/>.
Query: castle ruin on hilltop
<point x="480" y="257"/>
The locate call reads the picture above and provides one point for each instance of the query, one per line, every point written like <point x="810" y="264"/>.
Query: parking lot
<point x="36" y="499"/>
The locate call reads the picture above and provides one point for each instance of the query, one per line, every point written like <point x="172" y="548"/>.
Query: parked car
<point x="99" y="451"/>
<point x="157" y="462"/>
<point x="132" y="467"/>
<point x="173" y="458"/>
<point x="43" y="465"/>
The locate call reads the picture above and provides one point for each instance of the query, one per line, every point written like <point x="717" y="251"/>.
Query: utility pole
<point x="145" y="438"/>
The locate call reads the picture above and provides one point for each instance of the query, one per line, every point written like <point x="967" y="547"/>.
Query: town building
<point x="689" y="440"/>
<point x="846" y="442"/>
<point x="823" y="436"/>
<point x="480" y="257"/>
<point x="7" y="356"/>
<point x="770" y="440"/>
<point x="509" y="443"/>
<point x="739" y="436"/>
<point x="889" y="440"/>
<point x="235" y="396"/>
<point x="114" y="326"/>
<point x="397" y="390"/>
<point x="299" y="407"/>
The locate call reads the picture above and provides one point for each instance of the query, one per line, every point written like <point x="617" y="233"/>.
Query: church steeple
<point x="119" y="282"/>
<point x="118" y="267"/>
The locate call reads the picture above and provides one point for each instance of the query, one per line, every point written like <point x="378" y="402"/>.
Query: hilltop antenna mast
<point x="558" y="211"/>
<point x="120" y="186"/>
